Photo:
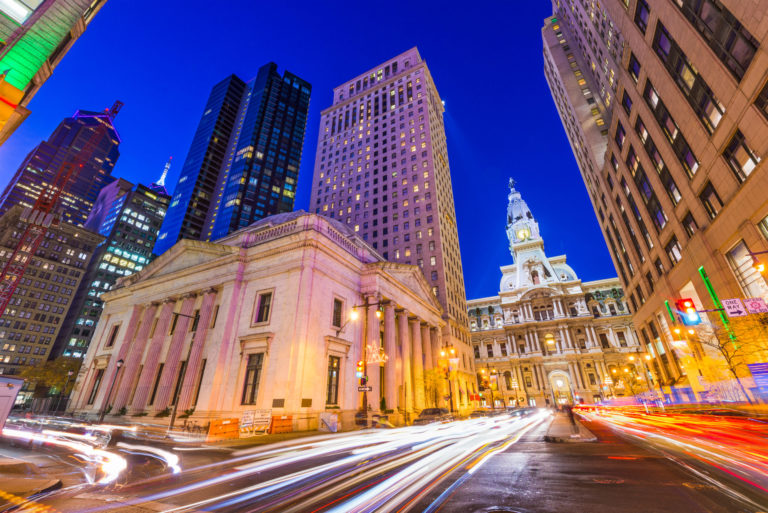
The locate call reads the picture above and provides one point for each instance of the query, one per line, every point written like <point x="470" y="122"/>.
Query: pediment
<point x="411" y="277"/>
<point x="183" y="255"/>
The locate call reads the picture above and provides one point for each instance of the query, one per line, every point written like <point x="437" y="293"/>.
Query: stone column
<point x="176" y="351"/>
<point x="527" y="342"/>
<point x="373" y="370"/>
<point x="536" y="340"/>
<point x="571" y="342"/>
<point x="390" y="348"/>
<point x="612" y="337"/>
<point x="191" y="376"/>
<point x="418" y="365"/>
<point x="426" y="342"/>
<point x="405" y="343"/>
<point x="132" y="359"/>
<point x="148" y="373"/>
<point x="435" y="340"/>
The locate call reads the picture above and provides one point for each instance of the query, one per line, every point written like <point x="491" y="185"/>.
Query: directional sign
<point x="734" y="308"/>
<point x="755" y="305"/>
<point x="760" y="374"/>
<point x="365" y="389"/>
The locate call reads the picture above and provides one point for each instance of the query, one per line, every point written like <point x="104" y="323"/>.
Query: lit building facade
<point x="666" y="108"/>
<point x="36" y="312"/>
<point x="87" y="138"/>
<point x="261" y="319"/>
<point x="382" y="169"/>
<point x="36" y="35"/>
<point x="548" y="338"/>
<point x="129" y="216"/>
<point x="243" y="164"/>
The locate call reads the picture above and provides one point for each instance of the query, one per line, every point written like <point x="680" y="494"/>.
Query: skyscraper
<point x="382" y="168"/>
<point x="33" y="318"/>
<point x="129" y="217"/>
<point x="87" y="138"/>
<point x="243" y="163"/>
<point x="36" y="35"/>
<point x="666" y="108"/>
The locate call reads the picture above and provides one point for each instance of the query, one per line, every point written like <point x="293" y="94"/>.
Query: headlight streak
<point x="733" y="446"/>
<point x="170" y="459"/>
<point x="110" y="464"/>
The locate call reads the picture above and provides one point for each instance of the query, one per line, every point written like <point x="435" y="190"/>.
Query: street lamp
<point x="375" y="357"/>
<point x="66" y="383"/>
<point x="449" y="353"/>
<point x="491" y="372"/>
<point x="109" y="394"/>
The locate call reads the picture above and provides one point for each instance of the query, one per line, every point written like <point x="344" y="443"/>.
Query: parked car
<point x="430" y="415"/>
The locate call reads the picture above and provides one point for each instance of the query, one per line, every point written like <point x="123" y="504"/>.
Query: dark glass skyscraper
<point x="72" y="141"/>
<point x="243" y="163"/>
<point x="129" y="217"/>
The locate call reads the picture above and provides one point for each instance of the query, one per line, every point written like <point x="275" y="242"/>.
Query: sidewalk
<point x="561" y="430"/>
<point x="21" y="479"/>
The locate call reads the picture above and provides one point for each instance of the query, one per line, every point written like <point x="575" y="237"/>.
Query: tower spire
<point x="159" y="185"/>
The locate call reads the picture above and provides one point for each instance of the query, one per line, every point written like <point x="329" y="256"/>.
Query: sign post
<point x="734" y="307"/>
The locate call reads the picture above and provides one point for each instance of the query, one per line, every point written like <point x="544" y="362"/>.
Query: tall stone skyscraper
<point x="666" y="108"/>
<point x="75" y="141"/>
<point x="243" y="164"/>
<point x="36" y="35"/>
<point x="382" y="168"/>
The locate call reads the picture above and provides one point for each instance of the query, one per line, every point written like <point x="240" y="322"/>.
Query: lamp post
<point x="66" y="383"/>
<point x="378" y="358"/>
<point x="449" y="352"/>
<point x="109" y="394"/>
<point x="491" y="372"/>
<point x="195" y="319"/>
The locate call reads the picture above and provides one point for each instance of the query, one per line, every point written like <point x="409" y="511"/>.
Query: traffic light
<point x="759" y="267"/>
<point x="360" y="369"/>
<point x="688" y="312"/>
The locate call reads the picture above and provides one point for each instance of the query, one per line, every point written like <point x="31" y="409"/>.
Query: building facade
<point x="548" y="338"/>
<point x="87" y="138"/>
<point x="666" y="108"/>
<point x="36" y="312"/>
<point x="382" y="169"/>
<point x="36" y="35"/>
<point x="262" y="319"/>
<point x="129" y="216"/>
<point x="243" y="164"/>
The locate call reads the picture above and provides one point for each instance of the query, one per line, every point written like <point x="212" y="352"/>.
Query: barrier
<point x="281" y="424"/>
<point x="223" y="429"/>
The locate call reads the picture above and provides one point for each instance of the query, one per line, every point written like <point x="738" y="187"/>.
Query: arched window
<point x="535" y="277"/>
<point x="508" y="380"/>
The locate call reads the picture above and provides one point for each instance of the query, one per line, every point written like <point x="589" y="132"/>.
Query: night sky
<point x="162" y="58"/>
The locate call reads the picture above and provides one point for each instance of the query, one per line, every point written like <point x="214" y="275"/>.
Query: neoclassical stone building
<point x="262" y="319"/>
<point x="549" y="338"/>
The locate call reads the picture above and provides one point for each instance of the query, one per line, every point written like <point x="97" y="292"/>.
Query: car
<point x="430" y="415"/>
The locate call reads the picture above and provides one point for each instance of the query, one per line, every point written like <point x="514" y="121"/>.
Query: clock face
<point x="523" y="233"/>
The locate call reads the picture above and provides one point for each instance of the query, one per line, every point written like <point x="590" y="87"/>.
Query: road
<point x="499" y="464"/>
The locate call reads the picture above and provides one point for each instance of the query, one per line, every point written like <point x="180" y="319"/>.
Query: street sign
<point x="760" y="374"/>
<point x="756" y="305"/>
<point x="734" y="308"/>
<point x="365" y="389"/>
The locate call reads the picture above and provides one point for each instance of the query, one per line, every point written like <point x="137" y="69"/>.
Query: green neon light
<point x="716" y="301"/>
<point x="669" y="311"/>
<point x="27" y="54"/>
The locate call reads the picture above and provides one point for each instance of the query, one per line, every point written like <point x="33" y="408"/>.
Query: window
<point x="214" y="316"/>
<point x="634" y="67"/>
<point x="174" y="321"/>
<point x="740" y="157"/>
<point x="711" y="201"/>
<point x="489" y="348"/>
<point x="332" y="391"/>
<point x="157" y="383"/>
<point x="338" y="307"/>
<point x="673" y="250"/>
<point x="689" y="223"/>
<point x="96" y="383"/>
<point x="642" y="13"/>
<point x="659" y="266"/>
<point x="477" y="351"/>
<point x="626" y="102"/>
<point x="729" y="39"/>
<point x="112" y="336"/>
<point x="252" y="375"/>
<point x="263" y="307"/>
<point x="689" y="81"/>
<point x="195" y="321"/>
<point x="620" y="135"/>
<point x="763" y="225"/>
<point x="761" y="102"/>
<point x="742" y="265"/>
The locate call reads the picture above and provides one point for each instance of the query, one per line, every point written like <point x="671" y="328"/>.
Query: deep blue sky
<point x="162" y="58"/>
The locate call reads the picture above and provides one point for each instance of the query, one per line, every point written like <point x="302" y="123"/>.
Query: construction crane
<point x="42" y="216"/>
